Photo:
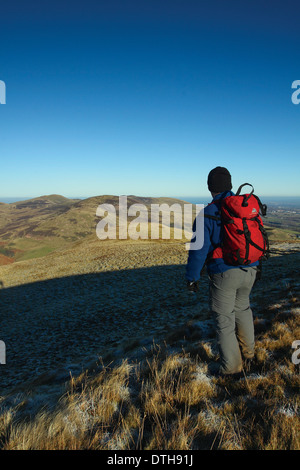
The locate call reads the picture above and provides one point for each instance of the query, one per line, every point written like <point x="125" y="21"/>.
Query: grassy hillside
<point x="278" y="235"/>
<point x="168" y="399"/>
<point x="116" y="354"/>
<point x="33" y="228"/>
<point x="106" y="349"/>
<point x="19" y="226"/>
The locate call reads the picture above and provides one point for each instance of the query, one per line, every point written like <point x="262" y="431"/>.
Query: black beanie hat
<point x="219" y="180"/>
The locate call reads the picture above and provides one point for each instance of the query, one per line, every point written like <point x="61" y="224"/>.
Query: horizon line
<point x="20" y="198"/>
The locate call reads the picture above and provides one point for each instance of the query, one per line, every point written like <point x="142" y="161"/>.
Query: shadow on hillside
<point x="69" y="321"/>
<point x="65" y="321"/>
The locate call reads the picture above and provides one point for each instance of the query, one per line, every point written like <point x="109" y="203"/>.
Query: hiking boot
<point x="234" y="376"/>
<point x="219" y="374"/>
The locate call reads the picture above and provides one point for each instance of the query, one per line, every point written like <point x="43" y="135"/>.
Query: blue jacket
<point x="212" y="238"/>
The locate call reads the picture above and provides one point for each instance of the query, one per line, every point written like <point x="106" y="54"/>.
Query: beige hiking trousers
<point x="230" y="306"/>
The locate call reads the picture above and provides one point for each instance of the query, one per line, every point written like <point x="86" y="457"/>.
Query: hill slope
<point x="105" y="345"/>
<point x="36" y="227"/>
<point x="140" y="350"/>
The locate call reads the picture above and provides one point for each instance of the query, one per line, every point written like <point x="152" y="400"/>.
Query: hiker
<point x="230" y="285"/>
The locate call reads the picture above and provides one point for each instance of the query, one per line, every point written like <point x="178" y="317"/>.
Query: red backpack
<point x="244" y="237"/>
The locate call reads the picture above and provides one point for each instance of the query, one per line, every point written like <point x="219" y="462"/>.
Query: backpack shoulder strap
<point x="214" y="217"/>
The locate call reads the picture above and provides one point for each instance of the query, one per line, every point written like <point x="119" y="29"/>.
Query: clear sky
<point x="145" y="97"/>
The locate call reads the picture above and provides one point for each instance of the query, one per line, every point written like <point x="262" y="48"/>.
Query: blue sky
<point x="146" y="97"/>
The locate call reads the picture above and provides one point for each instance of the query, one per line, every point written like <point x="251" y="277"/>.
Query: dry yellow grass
<point x="172" y="402"/>
<point x="169" y="399"/>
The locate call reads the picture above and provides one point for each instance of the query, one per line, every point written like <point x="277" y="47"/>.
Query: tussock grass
<point x="171" y="401"/>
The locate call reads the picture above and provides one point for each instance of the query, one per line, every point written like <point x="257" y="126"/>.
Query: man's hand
<point x="192" y="286"/>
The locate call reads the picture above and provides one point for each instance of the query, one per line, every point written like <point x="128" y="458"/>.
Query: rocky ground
<point x="108" y="300"/>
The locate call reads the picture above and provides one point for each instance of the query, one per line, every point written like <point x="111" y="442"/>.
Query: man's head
<point x="219" y="180"/>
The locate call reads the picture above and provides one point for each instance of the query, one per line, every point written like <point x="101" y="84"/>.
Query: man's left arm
<point x="197" y="258"/>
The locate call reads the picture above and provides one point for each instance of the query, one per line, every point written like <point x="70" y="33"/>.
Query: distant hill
<point x="20" y="222"/>
<point x="38" y="226"/>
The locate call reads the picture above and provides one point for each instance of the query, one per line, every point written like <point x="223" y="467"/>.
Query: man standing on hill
<point x="230" y="286"/>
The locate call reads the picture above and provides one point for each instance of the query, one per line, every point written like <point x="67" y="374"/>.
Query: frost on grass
<point x="289" y="410"/>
